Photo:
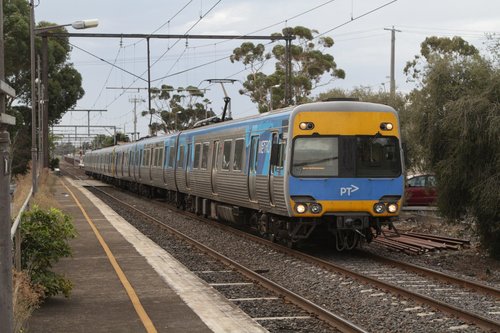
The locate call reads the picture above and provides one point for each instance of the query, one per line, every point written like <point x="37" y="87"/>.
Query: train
<point x="332" y="168"/>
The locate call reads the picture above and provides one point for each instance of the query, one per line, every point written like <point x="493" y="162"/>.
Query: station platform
<point x="123" y="282"/>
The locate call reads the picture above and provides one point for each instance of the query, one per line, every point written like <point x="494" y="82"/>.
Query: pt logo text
<point x="348" y="190"/>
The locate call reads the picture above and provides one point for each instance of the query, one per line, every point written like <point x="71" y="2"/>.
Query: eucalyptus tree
<point x="65" y="82"/>
<point x="176" y="108"/>
<point x="456" y="112"/>
<point x="311" y="66"/>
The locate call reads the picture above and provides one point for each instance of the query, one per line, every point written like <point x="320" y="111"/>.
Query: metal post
<point x="149" y="83"/>
<point x="45" y="105"/>
<point x="33" y="99"/>
<point x="39" y="100"/>
<point x="88" y="122"/>
<point x="6" y="312"/>
<point x="393" y="47"/>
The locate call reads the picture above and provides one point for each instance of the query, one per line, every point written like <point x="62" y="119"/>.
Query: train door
<point x="272" y="166"/>
<point x="166" y="155"/>
<point x="188" y="164"/>
<point x="139" y="162"/>
<point x="215" y="158"/>
<point x="252" y="168"/>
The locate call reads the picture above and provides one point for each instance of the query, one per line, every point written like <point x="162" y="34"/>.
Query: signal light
<point x="379" y="208"/>
<point x="306" y="126"/>
<point x="386" y="126"/>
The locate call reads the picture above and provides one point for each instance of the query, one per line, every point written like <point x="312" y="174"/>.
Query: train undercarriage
<point x="346" y="231"/>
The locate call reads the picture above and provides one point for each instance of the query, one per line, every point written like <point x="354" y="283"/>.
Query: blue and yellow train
<point x="332" y="166"/>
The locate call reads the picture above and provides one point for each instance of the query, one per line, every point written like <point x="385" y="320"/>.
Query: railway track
<point x="311" y="309"/>
<point x="373" y="277"/>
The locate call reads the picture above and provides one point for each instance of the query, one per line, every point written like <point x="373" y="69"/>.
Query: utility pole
<point x="45" y="100"/>
<point x="6" y="292"/>
<point x="136" y="100"/>
<point x="393" y="46"/>
<point x="34" y="148"/>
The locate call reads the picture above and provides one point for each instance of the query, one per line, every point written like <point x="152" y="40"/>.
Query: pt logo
<point x="348" y="190"/>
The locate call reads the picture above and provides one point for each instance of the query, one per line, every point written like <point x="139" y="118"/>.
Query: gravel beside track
<point x="374" y="310"/>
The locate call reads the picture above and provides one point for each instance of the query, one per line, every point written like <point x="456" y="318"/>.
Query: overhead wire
<point x="192" y="27"/>
<point x="107" y="79"/>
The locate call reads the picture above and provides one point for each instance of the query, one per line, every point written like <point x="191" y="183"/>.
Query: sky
<point x="362" y="46"/>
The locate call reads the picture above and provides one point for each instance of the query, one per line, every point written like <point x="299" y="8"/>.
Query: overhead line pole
<point x="88" y="114"/>
<point x="393" y="47"/>
<point x="287" y="38"/>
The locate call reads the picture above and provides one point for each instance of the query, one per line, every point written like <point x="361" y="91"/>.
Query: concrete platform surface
<point x="123" y="282"/>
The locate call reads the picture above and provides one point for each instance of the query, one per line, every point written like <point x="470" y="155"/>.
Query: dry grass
<point x="23" y="188"/>
<point x="26" y="298"/>
<point x="44" y="197"/>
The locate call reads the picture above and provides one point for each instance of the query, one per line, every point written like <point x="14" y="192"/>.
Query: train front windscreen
<point x="346" y="157"/>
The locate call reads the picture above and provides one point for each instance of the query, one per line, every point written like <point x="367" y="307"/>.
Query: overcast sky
<point x="362" y="46"/>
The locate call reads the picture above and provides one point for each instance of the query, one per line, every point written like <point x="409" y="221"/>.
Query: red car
<point x="421" y="190"/>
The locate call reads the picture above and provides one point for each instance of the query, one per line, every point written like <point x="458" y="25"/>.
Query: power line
<point x="356" y="18"/>
<point x="107" y="79"/>
<point x="109" y="63"/>
<point x="164" y="24"/>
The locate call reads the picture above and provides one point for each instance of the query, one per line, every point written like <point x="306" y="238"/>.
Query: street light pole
<point x="44" y="105"/>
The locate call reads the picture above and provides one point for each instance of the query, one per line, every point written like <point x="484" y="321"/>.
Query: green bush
<point x="54" y="163"/>
<point x="45" y="235"/>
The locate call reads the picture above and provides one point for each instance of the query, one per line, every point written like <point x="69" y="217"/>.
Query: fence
<point x="15" y="232"/>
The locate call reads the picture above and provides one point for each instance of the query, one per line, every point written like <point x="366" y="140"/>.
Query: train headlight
<point x="306" y="126"/>
<point x="315" y="208"/>
<point x="386" y="126"/>
<point x="392" y="208"/>
<point x="379" y="208"/>
<point x="301" y="208"/>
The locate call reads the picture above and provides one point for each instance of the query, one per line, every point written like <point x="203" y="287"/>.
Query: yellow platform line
<point x="146" y="321"/>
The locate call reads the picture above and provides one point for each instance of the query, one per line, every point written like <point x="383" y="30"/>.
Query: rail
<point x="15" y="231"/>
<point x="17" y="221"/>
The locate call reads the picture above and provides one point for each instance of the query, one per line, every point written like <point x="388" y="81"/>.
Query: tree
<point x="176" y="108"/>
<point x="65" y="83"/>
<point x="457" y="119"/>
<point x="309" y="63"/>
<point x="102" y="140"/>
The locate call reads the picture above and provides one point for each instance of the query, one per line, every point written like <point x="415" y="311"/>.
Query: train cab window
<point x="180" y="163"/>
<point x="171" y="157"/>
<point x="226" y="154"/>
<point x="377" y="157"/>
<point x="204" y="155"/>
<point x="197" y="152"/>
<point x="239" y="146"/>
<point x="315" y="157"/>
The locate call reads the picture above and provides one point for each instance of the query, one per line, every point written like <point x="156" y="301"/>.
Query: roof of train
<point x="353" y="106"/>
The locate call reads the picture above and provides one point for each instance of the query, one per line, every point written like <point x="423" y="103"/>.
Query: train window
<point x="254" y="153"/>
<point x="377" y="157"/>
<point x="204" y="155"/>
<point x="226" y="154"/>
<point x="197" y="152"/>
<point x="189" y="160"/>
<point x="146" y="157"/>
<point x="215" y="155"/>
<point x="239" y="146"/>
<point x="180" y="163"/>
<point x="315" y="157"/>
<point x="171" y="157"/>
